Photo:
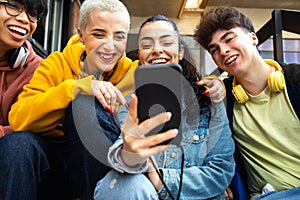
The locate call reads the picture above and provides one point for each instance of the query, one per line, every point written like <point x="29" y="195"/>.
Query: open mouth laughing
<point x="108" y="57"/>
<point x="18" y="30"/>
<point x="230" y="60"/>
<point x="159" y="61"/>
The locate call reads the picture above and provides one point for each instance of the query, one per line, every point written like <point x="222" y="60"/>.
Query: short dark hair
<point x="220" y="18"/>
<point x="38" y="6"/>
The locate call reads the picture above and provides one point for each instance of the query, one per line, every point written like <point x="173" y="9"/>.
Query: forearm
<point x="42" y="110"/>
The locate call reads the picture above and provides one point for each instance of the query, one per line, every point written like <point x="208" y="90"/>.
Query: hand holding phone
<point x="159" y="89"/>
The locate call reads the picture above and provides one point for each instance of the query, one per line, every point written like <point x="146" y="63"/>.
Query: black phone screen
<point x="159" y="89"/>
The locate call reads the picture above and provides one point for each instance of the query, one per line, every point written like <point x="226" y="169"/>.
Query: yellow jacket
<point x="41" y="106"/>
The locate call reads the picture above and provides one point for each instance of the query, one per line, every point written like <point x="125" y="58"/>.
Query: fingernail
<point x="108" y="109"/>
<point x="169" y="114"/>
<point x="175" y="131"/>
<point x="206" y="92"/>
<point x="126" y="105"/>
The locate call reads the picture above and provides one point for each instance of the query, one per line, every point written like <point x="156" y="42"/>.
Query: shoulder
<point x="33" y="60"/>
<point x="292" y="73"/>
<point x="292" y="77"/>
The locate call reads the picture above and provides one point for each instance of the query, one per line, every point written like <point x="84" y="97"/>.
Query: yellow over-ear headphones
<point x="276" y="83"/>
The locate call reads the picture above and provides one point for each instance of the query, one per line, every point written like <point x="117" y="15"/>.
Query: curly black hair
<point x="37" y="8"/>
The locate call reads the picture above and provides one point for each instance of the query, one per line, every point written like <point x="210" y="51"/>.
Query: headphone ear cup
<point x="240" y="94"/>
<point x="276" y="81"/>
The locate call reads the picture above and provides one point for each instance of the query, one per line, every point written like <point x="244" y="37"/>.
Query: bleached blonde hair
<point x="89" y="6"/>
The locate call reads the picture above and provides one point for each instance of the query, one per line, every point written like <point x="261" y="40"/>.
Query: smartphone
<point x="159" y="89"/>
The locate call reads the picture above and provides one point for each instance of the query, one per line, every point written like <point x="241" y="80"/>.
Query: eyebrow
<point x="98" y="29"/>
<point x="222" y="38"/>
<point x="121" y="32"/>
<point x="151" y="38"/>
<point x="102" y="30"/>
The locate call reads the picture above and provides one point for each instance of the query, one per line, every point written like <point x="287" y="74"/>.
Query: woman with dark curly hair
<point x="201" y="166"/>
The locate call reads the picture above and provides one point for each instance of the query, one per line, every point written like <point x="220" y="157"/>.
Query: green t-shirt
<point x="267" y="132"/>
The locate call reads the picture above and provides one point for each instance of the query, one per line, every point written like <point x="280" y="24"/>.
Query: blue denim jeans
<point x="117" y="185"/>
<point x="89" y="130"/>
<point x="31" y="168"/>
<point x="291" y="194"/>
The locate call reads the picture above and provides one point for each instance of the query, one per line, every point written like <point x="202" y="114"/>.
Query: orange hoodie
<point x="12" y="81"/>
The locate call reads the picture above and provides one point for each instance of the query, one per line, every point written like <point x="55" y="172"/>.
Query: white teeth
<point x="18" y="29"/>
<point x="230" y="60"/>
<point x="107" y="56"/>
<point x="157" y="61"/>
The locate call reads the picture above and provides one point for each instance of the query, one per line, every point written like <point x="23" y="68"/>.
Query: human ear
<point x="80" y="35"/>
<point x="181" y="52"/>
<point x="254" y="38"/>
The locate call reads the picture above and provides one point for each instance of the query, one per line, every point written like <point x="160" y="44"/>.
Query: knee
<point x="19" y="145"/>
<point x="116" y="185"/>
<point x="115" y="179"/>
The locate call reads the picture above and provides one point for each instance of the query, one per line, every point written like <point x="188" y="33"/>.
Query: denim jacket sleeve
<point x="116" y="161"/>
<point x="208" y="170"/>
